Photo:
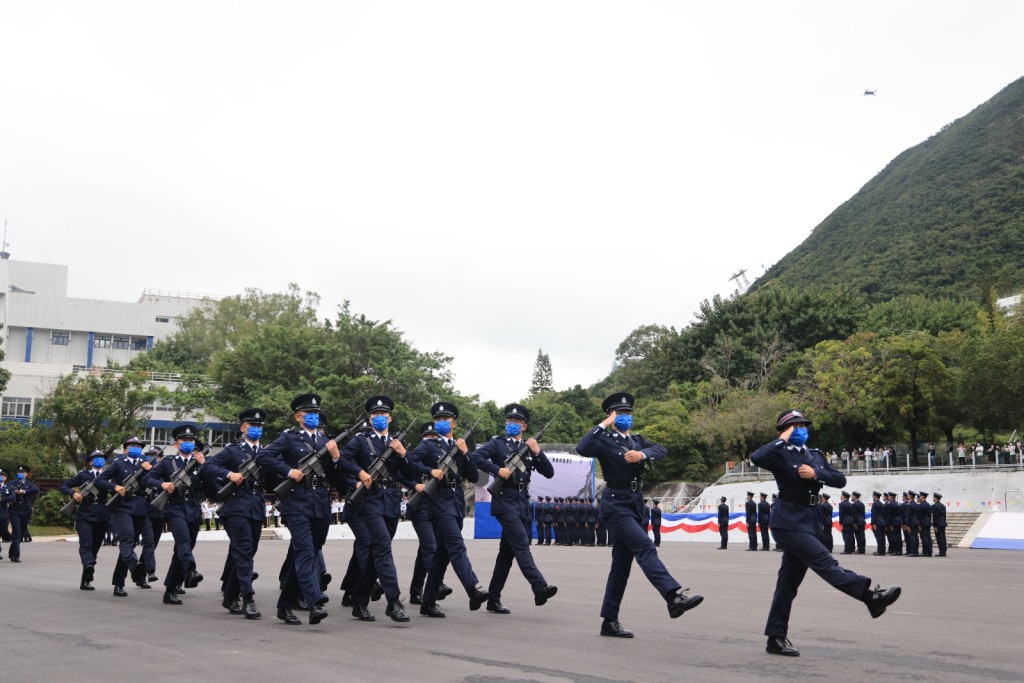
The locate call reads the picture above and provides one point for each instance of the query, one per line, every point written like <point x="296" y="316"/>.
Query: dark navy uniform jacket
<point x="549" y="512"/>
<point x="23" y="501"/>
<point x="593" y="514"/>
<point x="845" y="512"/>
<point x="938" y="514"/>
<point x="655" y="516"/>
<point x="879" y="513"/>
<point x="764" y="513"/>
<point x="449" y="498"/>
<point x="924" y="514"/>
<point x="385" y="496"/>
<point x="723" y="515"/>
<point x="6" y="500"/>
<point x="246" y="500"/>
<point x="912" y="516"/>
<point x="797" y="497"/>
<point x="750" y="509"/>
<point x="186" y="501"/>
<point x="893" y="513"/>
<point x="115" y="475"/>
<point x="493" y="455"/>
<point x="93" y="507"/>
<point x="609" y="447"/>
<point x="858" y="512"/>
<point x="310" y="497"/>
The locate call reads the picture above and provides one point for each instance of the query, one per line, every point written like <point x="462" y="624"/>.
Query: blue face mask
<point x="21" y="476"/>
<point x="443" y="427"/>
<point x="311" y="420"/>
<point x="98" y="463"/>
<point x="623" y="422"/>
<point x="134" y="451"/>
<point x="379" y="422"/>
<point x="254" y="433"/>
<point x="187" y="447"/>
<point x="513" y="429"/>
<point x="798" y="437"/>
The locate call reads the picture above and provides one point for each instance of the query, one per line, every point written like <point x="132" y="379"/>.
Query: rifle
<point x="89" y="489"/>
<point x="377" y="469"/>
<point x="446" y="464"/>
<point x="181" y="477"/>
<point x="131" y="486"/>
<point x="310" y="463"/>
<point x="515" y="461"/>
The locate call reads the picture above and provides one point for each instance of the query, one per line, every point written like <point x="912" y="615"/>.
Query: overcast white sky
<point x="494" y="177"/>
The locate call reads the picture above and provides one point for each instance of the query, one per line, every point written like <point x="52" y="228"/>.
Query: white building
<point x="47" y="334"/>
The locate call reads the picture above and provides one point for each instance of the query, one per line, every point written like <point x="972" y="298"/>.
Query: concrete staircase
<point x="959" y="523"/>
<point x="270" y="534"/>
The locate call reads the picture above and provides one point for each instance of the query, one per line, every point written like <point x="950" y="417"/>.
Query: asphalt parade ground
<point x="959" y="619"/>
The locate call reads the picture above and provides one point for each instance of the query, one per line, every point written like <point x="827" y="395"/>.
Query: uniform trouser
<point x="631" y="541"/>
<point x="128" y="527"/>
<point x="424" y="555"/>
<point x="150" y="537"/>
<point x="14" y="552"/>
<point x="450" y="548"/>
<point x="858" y="536"/>
<point x="723" y="532"/>
<point x="880" y="537"/>
<point x="5" y="526"/>
<point x="910" y="536"/>
<point x="765" y="540"/>
<point x="826" y="537"/>
<point x="26" y="535"/>
<point x="90" y="538"/>
<point x="926" y="540"/>
<point x="602" y="534"/>
<point x="245" y="541"/>
<point x="895" y="540"/>
<point x="848" y="538"/>
<point x="800" y="551"/>
<point x="360" y="553"/>
<point x="303" y="575"/>
<point x="381" y="530"/>
<point x="514" y="543"/>
<point x="657" y="535"/>
<point x="752" y="535"/>
<point x="183" y="561"/>
<point x="289" y="558"/>
<point x="940" y="539"/>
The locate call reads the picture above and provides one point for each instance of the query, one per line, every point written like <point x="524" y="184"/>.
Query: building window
<point x="119" y="343"/>
<point x="138" y="343"/>
<point x="162" y="319"/>
<point x="101" y="341"/>
<point x="60" y="338"/>
<point x="162" y="436"/>
<point x="16" y="407"/>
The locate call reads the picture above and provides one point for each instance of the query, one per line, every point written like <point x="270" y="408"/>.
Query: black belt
<point x="626" y="485"/>
<point x="455" y="483"/>
<point x="312" y="481"/>
<point x="387" y="484"/>
<point x="524" y="486"/>
<point x="808" y="499"/>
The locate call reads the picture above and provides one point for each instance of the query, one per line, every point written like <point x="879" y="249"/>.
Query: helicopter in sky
<point x="869" y="92"/>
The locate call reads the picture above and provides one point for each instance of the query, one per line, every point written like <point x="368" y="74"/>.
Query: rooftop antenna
<point x="3" y="250"/>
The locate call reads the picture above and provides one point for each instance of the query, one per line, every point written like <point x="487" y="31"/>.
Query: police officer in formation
<point x="511" y="507"/>
<point x="380" y="509"/>
<point x="764" y="515"/>
<point x="91" y="517"/>
<point x="859" y="520"/>
<point x="939" y="522"/>
<point x="622" y="456"/>
<point x="894" y="524"/>
<point x="846" y="523"/>
<point x="447" y="508"/>
<point x="6" y="500"/>
<point x="911" y="524"/>
<point x="800" y="472"/>
<point x="183" y="511"/>
<point x="243" y="512"/>
<point x="750" y="510"/>
<point x="879" y="522"/>
<point x="656" y="521"/>
<point x="723" y="523"/>
<point x="825" y="520"/>
<point x="924" y="519"/>
<point x="128" y="515"/>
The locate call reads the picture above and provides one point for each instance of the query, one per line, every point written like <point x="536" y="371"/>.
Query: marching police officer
<point x="381" y="507"/>
<point x="511" y="507"/>
<point x="128" y="516"/>
<point x="243" y="512"/>
<point x="939" y="522"/>
<point x="447" y="509"/>
<point x="151" y="537"/>
<point x="424" y="532"/>
<point x="7" y="499"/>
<point x="183" y="512"/>
<point x="924" y="517"/>
<point x="307" y="511"/>
<point x="879" y="520"/>
<point x="859" y="514"/>
<point x="91" y="518"/>
<point x="622" y="456"/>
<point x="25" y="491"/>
<point x="846" y="523"/>
<point x="800" y="473"/>
<point x="750" y="510"/>
<point x="723" y="523"/>
<point x="764" y="514"/>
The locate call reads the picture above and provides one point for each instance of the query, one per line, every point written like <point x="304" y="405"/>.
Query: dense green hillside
<point x="944" y="218"/>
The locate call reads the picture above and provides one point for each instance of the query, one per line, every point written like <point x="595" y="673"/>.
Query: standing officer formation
<point x="764" y="514"/>
<point x="800" y="472"/>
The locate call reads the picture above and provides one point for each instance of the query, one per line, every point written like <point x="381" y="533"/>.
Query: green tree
<point x="5" y="375"/>
<point x="95" y="410"/>
<point x="542" y="375"/>
<point x="991" y="381"/>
